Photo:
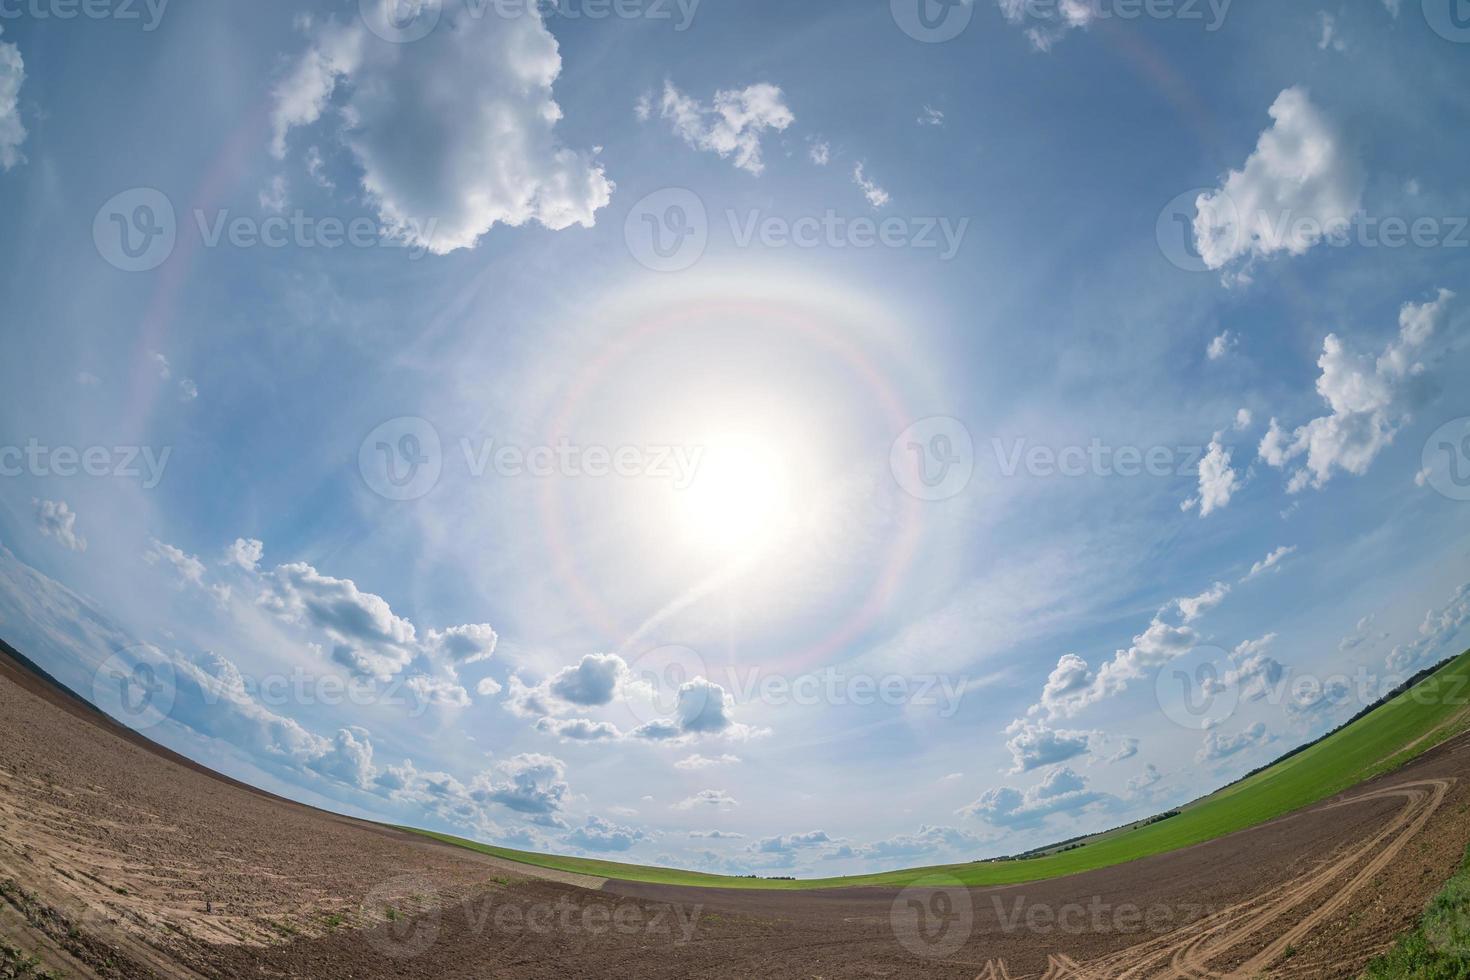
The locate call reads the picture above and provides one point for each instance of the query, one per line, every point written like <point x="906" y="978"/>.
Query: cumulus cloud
<point x="578" y="729"/>
<point x="1073" y="685"/>
<point x="732" y="124"/>
<point x="715" y="835"/>
<point x="54" y="519"/>
<point x="1193" y="607"/>
<point x="1440" y="626"/>
<point x="591" y="683"/>
<point x="1218" y="746"/>
<point x="1270" y="562"/>
<point x="1254" y="672"/>
<point x="701" y="708"/>
<point x="928" y="839"/>
<point x="437" y="691"/>
<point x="790" y="843"/>
<point x="460" y="646"/>
<point x="1299" y="184"/>
<point x="1061" y="791"/>
<point x="1222" y="345"/>
<point x="190" y="570"/>
<point x="1366" y="396"/>
<point x="367" y="638"/>
<point x="244" y="553"/>
<point x="1144" y="780"/>
<point x="1033" y="745"/>
<point x="877" y="196"/>
<point x="820" y="152"/>
<point x="716" y="799"/>
<point x="488" y="687"/>
<point x="12" y="131"/>
<point x="530" y="784"/>
<point x="1218" y="481"/>
<point x="1049" y="23"/>
<point x="476" y="96"/>
<point x="604" y="836"/>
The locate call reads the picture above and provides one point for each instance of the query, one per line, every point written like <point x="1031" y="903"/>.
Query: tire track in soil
<point x="1189" y="952"/>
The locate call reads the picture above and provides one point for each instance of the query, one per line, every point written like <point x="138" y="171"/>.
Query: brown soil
<point x="121" y="859"/>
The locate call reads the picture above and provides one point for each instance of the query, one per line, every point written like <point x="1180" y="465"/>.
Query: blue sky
<point x="753" y="438"/>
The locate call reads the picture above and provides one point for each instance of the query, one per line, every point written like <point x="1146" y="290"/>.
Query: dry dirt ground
<point x="120" y="859"/>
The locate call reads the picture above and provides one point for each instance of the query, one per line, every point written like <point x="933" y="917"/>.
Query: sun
<point x="739" y="502"/>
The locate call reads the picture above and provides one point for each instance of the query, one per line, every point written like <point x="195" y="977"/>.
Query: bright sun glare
<point x="739" y="502"/>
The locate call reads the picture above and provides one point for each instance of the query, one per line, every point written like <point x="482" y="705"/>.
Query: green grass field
<point x="1433" y="710"/>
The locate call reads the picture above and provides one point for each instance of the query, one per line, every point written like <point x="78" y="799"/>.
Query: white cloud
<point x="820" y="152"/>
<point x="54" y="519"/>
<point x="188" y="390"/>
<point x="1329" y="38"/>
<point x="488" y="687"/>
<point x="1217" y="746"/>
<point x="701" y="708"/>
<point x="1149" y="777"/>
<point x="87" y="379"/>
<point x="528" y="783"/>
<point x="931" y="116"/>
<point x="1061" y="791"/>
<point x="477" y="97"/>
<point x="438" y="691"/>
<point x="1243" y="420"/>
<point x="578" y="729"/>
<point x="273" y="196"/>
<point x="599" y="834"/>
<point x="245" y="553"/>
<point x="716" y="799"/>
<point x="1300" y="183"/>
<point x="1222" y="345"/>
<point x="732" y="125"/>
<point x="161" y="365"/>
<point x="1033" y="745"/>
<point x="1193" y="607"/>
<point x="876" y="195"/>
<point x="460" y="646"/>
<point x="696" y="762"/>
<point x="1271" y="561"/>
<point x="1254" y="672"/>
<point x="1051" y="21"/>
<point x="1440" y="626"/>
<point x="1365" y="395"/>
<point x="1218" y="481"/>
<point x="367" y="638"/>
<point x="591" y="683"/>
<point x="190" y="570"/>
<point x="12" y="131"/>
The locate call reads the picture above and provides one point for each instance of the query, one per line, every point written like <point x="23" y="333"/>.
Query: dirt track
<point x="127" y="861"/>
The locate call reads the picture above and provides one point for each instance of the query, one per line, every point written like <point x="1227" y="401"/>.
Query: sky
<point x="758" y="438"/>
